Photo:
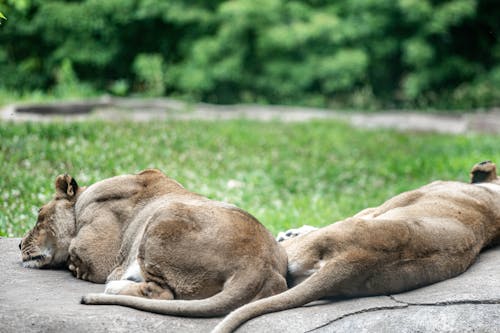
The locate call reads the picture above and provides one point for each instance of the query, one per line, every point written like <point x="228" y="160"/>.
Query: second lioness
<point x="148" y="236"/>
<point x="414" y="239"/>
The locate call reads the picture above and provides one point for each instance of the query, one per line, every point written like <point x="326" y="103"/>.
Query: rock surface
<point x="34" y="300"/>
<point x="116" y="109"/>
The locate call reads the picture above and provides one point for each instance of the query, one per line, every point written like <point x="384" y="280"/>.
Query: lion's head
<point x="47" y="243"/>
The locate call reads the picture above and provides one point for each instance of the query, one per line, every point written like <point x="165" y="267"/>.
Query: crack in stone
<point x="396" y="300"/>
<point x="445" y="303"/>
<point x="404" y="305"/>
<point x="379" y="308"/>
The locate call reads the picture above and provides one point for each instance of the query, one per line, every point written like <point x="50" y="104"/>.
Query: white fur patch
<point x="294" y="267"/>
<point x="31" y="264"/>
<point x="114" y="287"/>
<point x="47" y="254"/>
<point x="133" y="273"/>
<point x="300" y="274"/>
<point x="284" y="235"/>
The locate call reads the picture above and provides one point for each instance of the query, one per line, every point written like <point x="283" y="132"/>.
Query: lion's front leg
<point x="93" y="253"/>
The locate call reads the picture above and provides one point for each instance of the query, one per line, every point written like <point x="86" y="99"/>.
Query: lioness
<point x="148" y="236"/>
<point x="412" y="240"/>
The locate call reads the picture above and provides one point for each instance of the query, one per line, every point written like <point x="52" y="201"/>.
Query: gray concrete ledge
<point x="48" y="301"/>
<point x="135" y="109"/>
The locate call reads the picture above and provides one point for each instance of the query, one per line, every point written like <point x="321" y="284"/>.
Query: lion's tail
<point x="232" y="296"/>
<point x="313" y="288"/>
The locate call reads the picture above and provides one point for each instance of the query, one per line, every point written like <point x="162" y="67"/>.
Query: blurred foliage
<point x="149" y="70"/>
<point x="346" y="53"/>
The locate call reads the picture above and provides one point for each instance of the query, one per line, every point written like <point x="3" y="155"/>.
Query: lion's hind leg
<point x="138" y="289"/>
<point x="132" y="283"/>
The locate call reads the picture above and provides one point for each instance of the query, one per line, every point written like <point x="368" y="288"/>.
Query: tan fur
<point x="412" y="240"/>
<point x="148" y="236"/>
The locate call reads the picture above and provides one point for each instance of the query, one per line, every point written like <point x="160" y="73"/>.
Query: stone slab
<point x="34" y="300"/>
<point x="141" y="109"/>
<point x="461" y="318"/>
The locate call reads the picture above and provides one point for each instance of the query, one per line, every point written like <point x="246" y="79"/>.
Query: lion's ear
<point x="66" y="186"/>
<point x="483" y="172"/>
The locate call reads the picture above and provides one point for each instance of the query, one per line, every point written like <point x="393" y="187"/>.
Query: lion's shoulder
<point x="127" y="190"/>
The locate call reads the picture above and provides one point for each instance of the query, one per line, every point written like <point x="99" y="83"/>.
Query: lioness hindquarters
<point x="357" y="257"/>
<point x="197" y="253"/>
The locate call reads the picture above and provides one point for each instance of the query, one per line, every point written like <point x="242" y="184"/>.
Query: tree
<point x="353" y="53"/>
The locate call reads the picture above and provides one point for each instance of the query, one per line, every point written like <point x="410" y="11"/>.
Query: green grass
<point x="285" y="174"/>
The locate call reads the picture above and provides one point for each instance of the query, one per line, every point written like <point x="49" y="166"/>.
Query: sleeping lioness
<point x="147" y="236"/>
<point x="412" y="240"/>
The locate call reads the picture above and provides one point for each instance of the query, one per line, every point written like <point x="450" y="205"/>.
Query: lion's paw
<point x="78" y="268"/>
<point x="117" y="286"/>
<point x="154" y="291"/>
<point x="284" y="235"/>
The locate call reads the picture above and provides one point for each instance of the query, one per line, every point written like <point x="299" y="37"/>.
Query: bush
<point x="68" y="84"/>
<point x="149" y="70"/>
<point x="389" y="53"/>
